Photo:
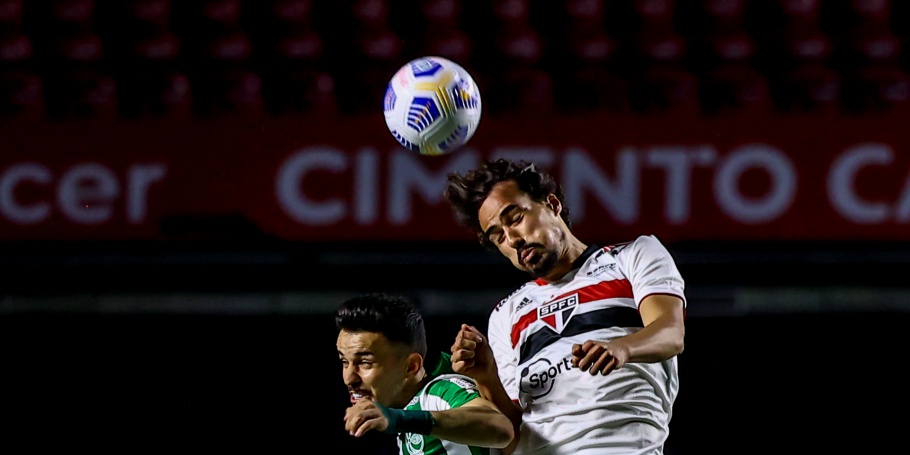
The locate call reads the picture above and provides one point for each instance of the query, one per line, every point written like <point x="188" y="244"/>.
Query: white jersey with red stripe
<point x="566" y="410"/>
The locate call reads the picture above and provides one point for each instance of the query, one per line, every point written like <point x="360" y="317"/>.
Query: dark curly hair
<point x="392" y="316"/>
<point x="466" y="193"/>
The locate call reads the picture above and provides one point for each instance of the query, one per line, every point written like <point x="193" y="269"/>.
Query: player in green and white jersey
<point x="382" y="346"/>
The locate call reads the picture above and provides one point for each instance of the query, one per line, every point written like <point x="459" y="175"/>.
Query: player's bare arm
<point x="472" y="356"/>
<point x="660" y="339"/>
<point x="477" y="423"/>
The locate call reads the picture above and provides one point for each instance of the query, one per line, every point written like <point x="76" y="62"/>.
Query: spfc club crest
<point x="557" y="314"/>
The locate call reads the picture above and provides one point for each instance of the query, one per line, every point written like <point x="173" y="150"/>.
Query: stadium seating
<point x="285" y="57"/>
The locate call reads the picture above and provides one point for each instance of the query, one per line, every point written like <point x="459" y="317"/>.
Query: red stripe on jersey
<point x="603" y="290"/>
<point x="522" y="324"/>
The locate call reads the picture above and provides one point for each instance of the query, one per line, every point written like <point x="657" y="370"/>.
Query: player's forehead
<point x="502" y="196"/>
<point x="362" y="343"/>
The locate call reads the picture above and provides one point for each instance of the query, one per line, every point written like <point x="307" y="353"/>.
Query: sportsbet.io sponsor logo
<point x="537" y="378"/>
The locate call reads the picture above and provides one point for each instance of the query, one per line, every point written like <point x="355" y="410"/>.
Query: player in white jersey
<point x="382" y="345"/>
<point x="583" y="358"/>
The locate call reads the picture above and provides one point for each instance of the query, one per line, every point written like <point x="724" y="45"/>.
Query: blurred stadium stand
<point x="152" y="56"/>
<point x="167" y="318"/>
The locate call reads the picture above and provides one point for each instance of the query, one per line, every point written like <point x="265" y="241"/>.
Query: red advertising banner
<point x="338" y="178"/>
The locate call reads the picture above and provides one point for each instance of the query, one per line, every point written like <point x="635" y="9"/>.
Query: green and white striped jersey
<point x="445" y="391"/>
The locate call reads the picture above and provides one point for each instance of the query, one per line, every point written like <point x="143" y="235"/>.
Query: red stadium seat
<point x="21" y="87"/>
<point x="880" y="88"/>
<point x="160" y="94"/>
<point x="735" y="88"/>
<point x="76" y="49"/>
<point x="230" y="47"/>
<point x="15" y="49"/>
<point x="799" y="64"/>
<point x="872" y="44"/>
<point x="229" y="91"/>
<point x="21" y="95"/>
<point x="809" y="88"/>
<point x="76" y="12"/>
<point x="162" y="46"/>
<point x="371" y="13"/>
<point x="223" y="12"/>
<point x="224" y="81"/>
<point x="10" y="12"/>
<point x="724" y="14"/>
<point x="735" y="46"/>
<point x="660" y="46"/>
<point x="590" y="46"/>
<point x="520" y="91"/>
<point x="519" y="45"/>
<point x="152" y="85"/>
<point x="870" y="11"/>
<point x="378" y="53"/>
<point x="240" y="93"/>
<point x="721" y="47"/>
<point x="730" y="83"/>
<point x="801" y="12"/>
<point x="152" y="12"/>
<point x="291" y="11"/>
<point x="585" y="14"/>
<point x="511" y="12"/>
<point x="659" y="80"/>
<point x="592" y="89"/>
<point x="699" y="18"/>
<point x="589" y="78"/>
<point x="301" y="91"/>
<point x="794" y="46"/>
<point x="655" y="13"/>
<point x="83" y="93"/>
<point x="450" y="43"/>
<point x="301" y="45"/>
<point x="294" y="80"/>
<point x="664" y="89"/>
<point x="440" y="15"/>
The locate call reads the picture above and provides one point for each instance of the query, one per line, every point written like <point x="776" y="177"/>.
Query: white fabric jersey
<point x="566" y="410"/>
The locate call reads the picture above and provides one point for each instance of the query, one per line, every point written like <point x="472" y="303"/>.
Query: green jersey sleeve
<point x="446" y="391"/>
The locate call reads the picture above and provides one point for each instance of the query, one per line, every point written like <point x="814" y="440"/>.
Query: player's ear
<point x="414" y="363"/>
<point x="554" y="204"/>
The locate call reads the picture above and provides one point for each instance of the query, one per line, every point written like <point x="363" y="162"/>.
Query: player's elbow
<point x="678" y="341"/>
<point x="679" y="347"/>
<point x="503" y="433"/>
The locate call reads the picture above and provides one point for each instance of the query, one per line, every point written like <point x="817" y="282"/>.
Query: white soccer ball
<point x="432" y="106"/>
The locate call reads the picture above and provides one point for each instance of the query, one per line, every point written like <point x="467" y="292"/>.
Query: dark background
<point x="112" y="346"/>
<point x="752" y="380"/>
<point x="272" y="382"/>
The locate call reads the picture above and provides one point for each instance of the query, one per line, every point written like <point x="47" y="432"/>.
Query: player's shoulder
<point x="506" y="303"/>
<point x="642" y="242"/>
<point x="449" y="383"/>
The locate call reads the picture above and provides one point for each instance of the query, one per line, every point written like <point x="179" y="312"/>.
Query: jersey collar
<point x="444" y="366"/>
<point x="591" y="249"/>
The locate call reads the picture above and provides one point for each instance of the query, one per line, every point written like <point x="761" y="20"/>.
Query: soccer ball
<point x="432" y="106"/>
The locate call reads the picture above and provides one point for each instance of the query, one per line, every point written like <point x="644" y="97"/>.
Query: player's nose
<point x="514" y="239"/>
<point x="350" y="376"/>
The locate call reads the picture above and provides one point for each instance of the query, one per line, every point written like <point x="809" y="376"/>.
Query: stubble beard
<point x="544" y="265"/>
<point x="549" y="259"/>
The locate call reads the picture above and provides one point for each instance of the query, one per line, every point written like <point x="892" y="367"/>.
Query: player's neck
<point x="421" y="379"/>
<point x="573" y="250"/>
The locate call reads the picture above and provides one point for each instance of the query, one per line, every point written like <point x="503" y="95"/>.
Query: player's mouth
<point x="528" y="254"/>
<point x="356" y="395"/>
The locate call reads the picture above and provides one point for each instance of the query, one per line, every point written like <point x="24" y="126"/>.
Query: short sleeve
<point x="651" y="269"/>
